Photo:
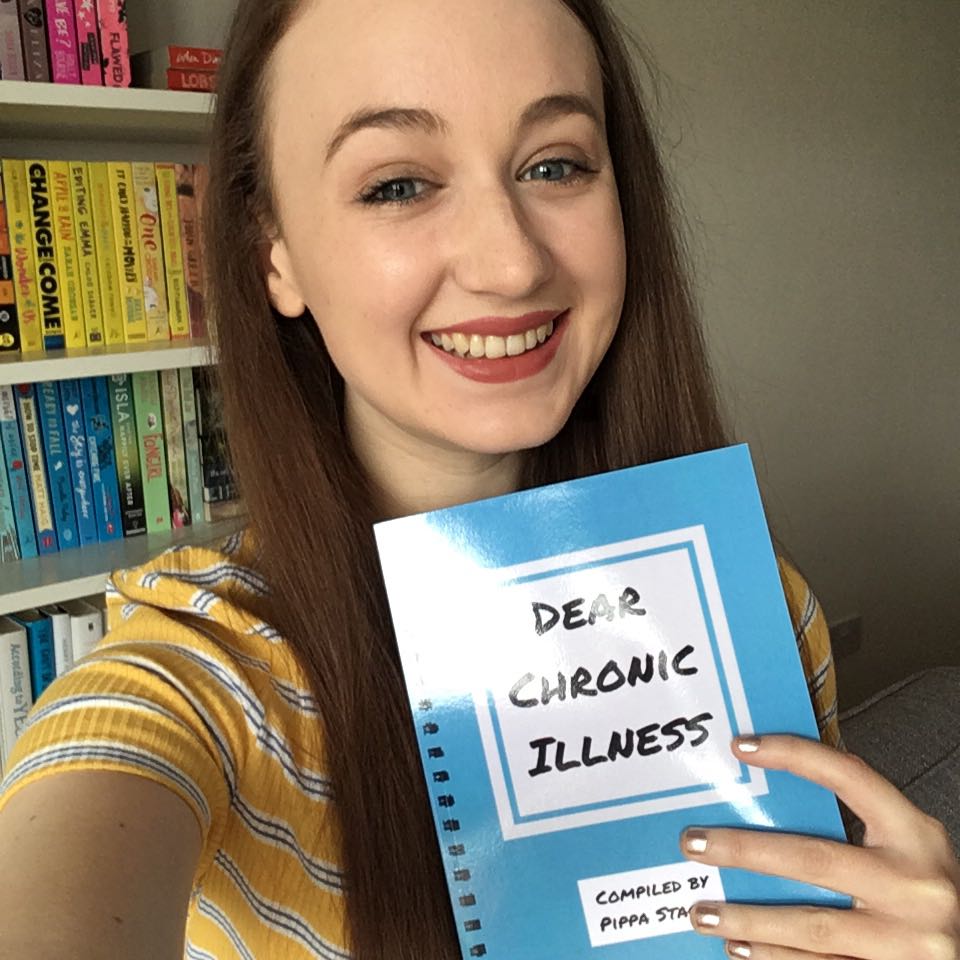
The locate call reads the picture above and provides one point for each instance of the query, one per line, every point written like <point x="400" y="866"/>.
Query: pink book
<point x="114" y="42"/>
<point x="88" y="39"/>
<point x="62" y="41"/>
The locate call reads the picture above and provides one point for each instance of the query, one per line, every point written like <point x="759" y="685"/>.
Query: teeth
<point x="516" y="345"/>
<point x="541" y="333"/>
<point x="446" y="341"/>
<point x="493" y="348"/>
<point x="530" y="339"/>
<point x="461" y="344"/>
<point x="437" y="340"/>
<point x="477" y="346"/>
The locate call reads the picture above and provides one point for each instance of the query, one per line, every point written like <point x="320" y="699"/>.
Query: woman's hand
<point x="905" y="880"/>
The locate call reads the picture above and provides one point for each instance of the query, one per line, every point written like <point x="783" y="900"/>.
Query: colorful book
<point x="9" y="547"/>
<point x="33" y="35"/>
<point x="217" y="481"/>
<point x="91" y="308"/>
<point x="28" y="414"/>
<point x="45" y="252"/>
<point x="151" y="251"/>
<point x="588" y="651"/>
<point x="192" y="252"/>
<point x="108" y="271"/>
<point x="88" y="42"/>
<point x="62" y="42"/>
<point x="176" y="281"/>
<point x="15" y="466"/>
<point x="39" y="649"/>
<point x="174" y="57"/>
<point x="153" y="459"/>
<point x="201" y="179"/>
<point x="114" y="42"/>
<point x="9" y="326"/>
<point x="191" y="446"/>
<point x="178" y="494"/>
<point x="62" y="643"/>
<point x="16" y="697"/>
<point x="95" y="399"/>
<point x="126" y="452"/>
<point x="75" y="433"/>
<point x="11" y="51"/>
<point x="129" y="262"/>
<point x="20" y="226"/>
<point x="58" y="465"/>
<point x="68" y="257"/>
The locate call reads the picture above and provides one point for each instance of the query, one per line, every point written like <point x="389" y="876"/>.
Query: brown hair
<point x="311" y="506"/>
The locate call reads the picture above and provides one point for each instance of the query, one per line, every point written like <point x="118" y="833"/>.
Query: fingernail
<point x="747" y="744"/>
<point x="739" y="949"/>
<point x="705" y="915"/>
<point x="695" y="841"/>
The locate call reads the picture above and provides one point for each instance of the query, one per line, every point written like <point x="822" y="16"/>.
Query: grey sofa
<point x="910" y="733"/>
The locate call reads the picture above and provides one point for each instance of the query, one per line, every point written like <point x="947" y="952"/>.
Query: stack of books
<point x="177" y="68"/>
<point x="65" y="41"/>
<point x="97" y="254"/>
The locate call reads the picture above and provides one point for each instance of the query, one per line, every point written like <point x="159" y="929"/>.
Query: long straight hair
<point x="310" y="504"/>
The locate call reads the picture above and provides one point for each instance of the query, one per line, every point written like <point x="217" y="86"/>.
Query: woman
<point x="386" y="177"/>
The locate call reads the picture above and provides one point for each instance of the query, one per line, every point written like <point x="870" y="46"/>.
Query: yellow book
<point x="127" y="244"/>
<point x="177" y="304"/>
<point x="45" y="251"/>
<point x="68" y="259"/>
<point x="108" y="272"/>
<point x="87" y="251"/>
<point x="151" y="251"/>
<point x="20" y="225"/>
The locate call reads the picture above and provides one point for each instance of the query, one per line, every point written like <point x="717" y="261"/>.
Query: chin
<point x="508" y="435"/>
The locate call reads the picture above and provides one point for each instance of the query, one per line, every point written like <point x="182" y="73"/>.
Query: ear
<point x="282" y="286"/>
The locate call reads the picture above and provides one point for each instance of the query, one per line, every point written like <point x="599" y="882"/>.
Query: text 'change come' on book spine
<point x="578" y="659"/>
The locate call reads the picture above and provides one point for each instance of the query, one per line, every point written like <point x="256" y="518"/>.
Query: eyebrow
<point x="416" y="118"/>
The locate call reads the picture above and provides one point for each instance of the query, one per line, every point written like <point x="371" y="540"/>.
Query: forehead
<point x="473" y="61"/>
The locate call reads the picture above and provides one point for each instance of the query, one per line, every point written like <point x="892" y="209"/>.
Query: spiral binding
<point x="461" y="873"/>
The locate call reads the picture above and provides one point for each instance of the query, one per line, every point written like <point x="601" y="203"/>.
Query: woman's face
<point x="436" y="164"/>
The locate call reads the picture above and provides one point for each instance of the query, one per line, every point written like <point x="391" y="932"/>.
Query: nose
<point x="496" y="249"/>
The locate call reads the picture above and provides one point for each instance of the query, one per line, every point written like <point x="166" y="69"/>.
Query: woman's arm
<point x="95" y="864"/>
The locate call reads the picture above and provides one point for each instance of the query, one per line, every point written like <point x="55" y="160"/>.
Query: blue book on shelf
<point x="58" y="465"/>
<point x="76" y="441"/>
<point x="9" y="549"/>
<point x="28" y="415"/>
<point x="95" y="401"/>
<point x="578" y="658"/>
<point x="15" y="468"/>
<point x="39" y="648"/>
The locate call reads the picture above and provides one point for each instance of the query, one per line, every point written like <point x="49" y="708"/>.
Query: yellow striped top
<point x="190" y="690"/>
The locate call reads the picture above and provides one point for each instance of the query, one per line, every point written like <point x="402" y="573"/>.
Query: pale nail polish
<point x="739" y="950"/>
<point x="695" y="841"/>
<point x="706" y="915"/>
<point x="748" y="744"/>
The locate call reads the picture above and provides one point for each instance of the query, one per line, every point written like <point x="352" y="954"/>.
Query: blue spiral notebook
<point x="578" y="658"/>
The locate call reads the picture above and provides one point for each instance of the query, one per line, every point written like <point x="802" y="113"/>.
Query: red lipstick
<point x="501" y="326"/>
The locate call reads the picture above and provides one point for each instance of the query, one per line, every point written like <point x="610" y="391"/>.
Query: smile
<point x="492" y="347"/>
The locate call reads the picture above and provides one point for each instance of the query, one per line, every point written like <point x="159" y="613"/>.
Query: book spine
<point x="193" y="58"/>
<point x="76" y="440"/>
<point x="176" y="454"/>
<point x="191" y="445"/>
<point x="129" y="474"/>
<point x="128" y="251"/>
<point x="192" y="253"/>
<point x="26" y="397"/>
<point x="40" y="650"/>
<point x="62" y="643"/>
<point x="217" y="486"/>
<point x="16" y="469"/>
<point x="68" y="257"/>
<point x="153" y="459"/>
<point x="151" y="251"/>
<point x="95" y="400"/>
<point x="9" y="325"/>
<point x="176" y="281"/>
<point x="58" y="465"/>
<point x="19" y="223"/>
<point x="62" y="42"/>
<point x="33" y="34"/>
<point x="201" y="177"/>
<point x="45" y="252"/>
<point x="114" y="42"/>
<point x="11" y="51"/>
<point x="86" y="627"/>
<point x="87" y="254"/>
<point x="200" y="81"/>
<point x="9" y="548"/>
<point x="108" y="271"/>
<point x="88" y="43"/>
<point x="16" y="698"/>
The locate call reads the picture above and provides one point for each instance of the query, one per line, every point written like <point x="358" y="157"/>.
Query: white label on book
<point x="646" y="903"/>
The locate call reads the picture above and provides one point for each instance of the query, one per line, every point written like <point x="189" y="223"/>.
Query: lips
<point x="499" y="326"/>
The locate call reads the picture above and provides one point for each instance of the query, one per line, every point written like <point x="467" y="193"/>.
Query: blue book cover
<point x="28" y="413"/>
<point x="58" y="465"/>
<point x="95" y="400"/>
<point x="578" y="658"/>
<point x="9" y="549"/>
<point x="39" y="648"/>
<point x="76" y="440"/>
<point x="15" y="468"/>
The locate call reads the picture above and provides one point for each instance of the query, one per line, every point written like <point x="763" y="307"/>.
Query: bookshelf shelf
<point x="104" y="361"/>
<point x="84" y="571"/>
<point x="60" y="111"/>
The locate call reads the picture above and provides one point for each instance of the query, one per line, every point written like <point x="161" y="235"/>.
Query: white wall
<point x="816" y="146"/>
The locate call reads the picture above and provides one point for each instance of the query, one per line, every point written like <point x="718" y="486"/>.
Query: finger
<point x="738" y="950"/>
<point x="819" y="930"/>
